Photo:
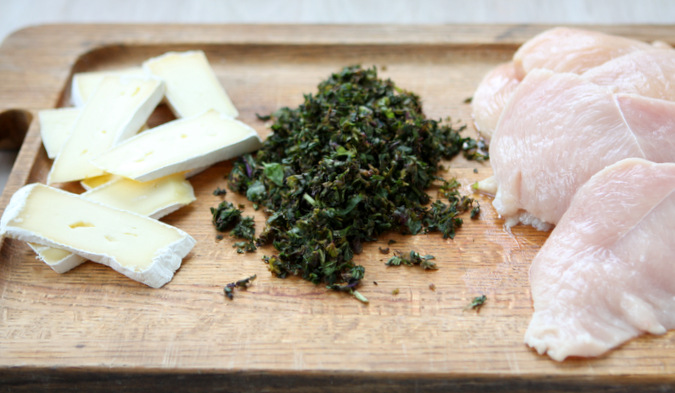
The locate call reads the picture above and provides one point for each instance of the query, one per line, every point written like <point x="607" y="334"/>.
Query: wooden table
<point x="96" y="330"/>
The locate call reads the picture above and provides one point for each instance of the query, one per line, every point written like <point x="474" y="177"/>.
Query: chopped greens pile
<point x="350" y="163"/>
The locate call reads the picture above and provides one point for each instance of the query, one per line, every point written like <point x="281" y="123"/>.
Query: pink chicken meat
<point x="558" y="130"/>
<point x="603" y="276"/>
<point x="561" y="50"/>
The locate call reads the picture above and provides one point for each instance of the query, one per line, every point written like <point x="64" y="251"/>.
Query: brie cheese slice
<point x="55" y="127"/>
<point x="154" y="199"/>
<point x="141" y="248"/>
<point x="178" y="146"/>
<point x="191" y="84"/>
<point x="117" y="110"/>
<point x="85" y="83"/>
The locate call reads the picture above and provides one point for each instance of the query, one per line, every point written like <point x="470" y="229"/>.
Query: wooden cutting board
<point x="97" y="330"/>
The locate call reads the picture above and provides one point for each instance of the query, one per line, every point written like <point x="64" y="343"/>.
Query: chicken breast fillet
<point x="564" y="49"/>
<point x="491" y="97"/>
<point x="558" y="130"/>
<point x="567" y="50"/>
<point x="649" y="73"/>
<point x="604" y="275"/>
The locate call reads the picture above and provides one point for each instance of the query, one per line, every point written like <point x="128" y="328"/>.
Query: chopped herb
<point x="242" y="284"/>
<point x="432" y="286"/>
<point x="413" y="258"/>
<point x="348" y="164"/>
<point x="475" y="170"/>
<point x="468" y="100"/>
<point x="225" y="216"/>
<point x="245" y="228"/>
<point x="219" y="191"/>
<point x="375" y="282"/>
<point x="395" y="292"/>
<point x="243" y="246"/>
<point x="384" y="250"/>
<point x="477" y="303"/>
<point x="263" y="117"/>
<point x="475" y="149"/>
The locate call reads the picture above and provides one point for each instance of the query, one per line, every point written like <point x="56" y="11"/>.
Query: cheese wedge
<point x="191" y="84"/>
<point x="55" y="127"/>
<point x="85" y="83"/>
<point x="178" y="146"/>
<point x="93" y="182"/>
<point x="154" y="199"/>
<point x="143" y="249"/>
<point x="117" y="110"/>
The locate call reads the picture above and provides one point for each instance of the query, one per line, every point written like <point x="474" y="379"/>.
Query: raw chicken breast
<point x="573" y="50"/>
<point x="604" y="275"/>
<point x="649" y="73"/>
<point x="563" y="49"/>
<point x="558" y="130"/>
<point x="491" y="97"/>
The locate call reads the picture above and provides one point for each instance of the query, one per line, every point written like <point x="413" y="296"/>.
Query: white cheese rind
<point x="154" y="199"/>
<point x="55" y="128"/>
<point x="85" y="83"/>
<point x="52" y="217"/>
<point x="117" y="110"/>
<point x="180" y="145"/>
<point x="191" y="84"/>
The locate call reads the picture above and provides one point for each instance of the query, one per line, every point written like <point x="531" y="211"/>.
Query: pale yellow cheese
<point x="154" y="199"/>
<point x="139" y="247"/>
<point x="191" y="84"/>
<point x="93" y="182"/>
<point x="55" y="127"/>
<point x="178" y="146"/>
<point x="117" y="110"/>
<point x="85" y="83"/>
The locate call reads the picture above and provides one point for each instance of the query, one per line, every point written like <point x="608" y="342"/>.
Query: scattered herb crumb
<point x="432" y="286"/>
<point x="384" y="250"/>
<point x="468" y="100"/>
<point x="226" y="217"/>
<point x="477" y="303"/>
<point x="475" y="170"/>
<point x="391" y="241"/>
<point x="241" y="284"/>
<point x="219" y="191"/>
<point x="263" y="117"/>
<point x="375" y="282"/>
<point x="412" y="259"/>
<point x="395" y="292"/>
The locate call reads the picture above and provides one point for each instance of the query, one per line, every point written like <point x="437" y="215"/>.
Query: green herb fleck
<point x="225" y="216"/>
<point x="477" y="303"/>
<point x="395" y="292"/>
<point x="219" y="191"/>
<point x="412" y="259"/>
<point x="241" y="284"/>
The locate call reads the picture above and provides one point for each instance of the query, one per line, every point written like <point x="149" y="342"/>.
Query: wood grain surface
<point x="97" y="330"/>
